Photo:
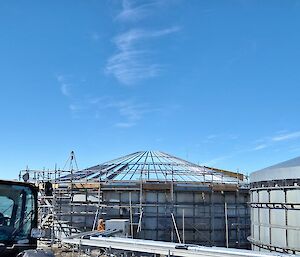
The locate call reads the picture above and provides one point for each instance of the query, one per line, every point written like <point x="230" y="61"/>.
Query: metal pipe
<point x="183" y="234"/>
<point x="177" y="233"/>
<point x="95" y="219"/>
<point x="131" y="225"/>
<point x="139" y="228"/>
<point x="226" y="225"/>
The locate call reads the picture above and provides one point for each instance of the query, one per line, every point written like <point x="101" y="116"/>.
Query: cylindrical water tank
<point x="275" y="208"/>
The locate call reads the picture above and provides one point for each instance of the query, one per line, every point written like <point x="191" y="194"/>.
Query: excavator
<point x="18" y="220"/>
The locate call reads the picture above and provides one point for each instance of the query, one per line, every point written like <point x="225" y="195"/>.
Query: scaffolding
<point x="163" y="197"/>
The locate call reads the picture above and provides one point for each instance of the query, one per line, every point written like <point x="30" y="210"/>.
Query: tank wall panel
<point x="293" y="218"/>
<point x="217" y="198"/>
<point x="277" y="196"/>
<point x="255" y="219"/>
<point x="184" y="198"/>
<point x="125" y="197"/>
<point x="188" y="212"/>
<point x="277" y="237"/>
<point x="275" y="222"/>
<point x="264" y="234"/>
<point x="293" y="196"/>
<point x="277" y="217"/>
<point x="229" y="198"/>
<point x="204" y="214"/>
<point x="161" y="210"/>
<point x="201" y="211"/>
<point x="263" y="196"/>
<point x="162" y="198"/>
<point x="293" y="238"/>
<point x="201" y="197"/>
<point x="151" y="197"/>
<point x="254" y="196"/>
<point x="264" y="217"/>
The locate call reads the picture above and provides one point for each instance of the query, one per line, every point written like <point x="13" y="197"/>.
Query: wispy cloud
<point x="95" y="36"/>
<point x="127" y="112"/>
<point x="287" y="136"/>
<point x="123" y="113"/>
<point x="65" y="87"/>
<point x="260" y="147"/>
<point x="217" y="160"/>
<point x="130" y="67"/>
<point x="279" y="137"/>
<point x="131" y="112"/>
<point x="127" y="40"/>
<point x="76" y="108"/>
<point x="289" y="141"/>
<point x="212" y="136"/>
<point x="133" y="61"/>
<point x="132" y="11"/>
<point x="125" y="124"/>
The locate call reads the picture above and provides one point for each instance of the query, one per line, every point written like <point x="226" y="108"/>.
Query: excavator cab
<point x="18" y="217"/>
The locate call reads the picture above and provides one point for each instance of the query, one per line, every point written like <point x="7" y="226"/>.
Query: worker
<point x="101" y="225"/>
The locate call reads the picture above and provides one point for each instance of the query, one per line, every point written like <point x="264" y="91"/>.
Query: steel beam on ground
<point x="165" y="248"/>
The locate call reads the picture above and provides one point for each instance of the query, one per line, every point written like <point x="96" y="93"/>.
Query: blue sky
<point x="214" y="82"/>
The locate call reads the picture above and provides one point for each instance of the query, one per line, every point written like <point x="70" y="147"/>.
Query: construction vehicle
<point x="18" y="220"/>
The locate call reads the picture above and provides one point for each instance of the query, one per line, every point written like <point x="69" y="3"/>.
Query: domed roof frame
<point x="155" y="166"/>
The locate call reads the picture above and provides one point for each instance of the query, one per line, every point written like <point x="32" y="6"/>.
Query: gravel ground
<point x="60" y="251"/>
